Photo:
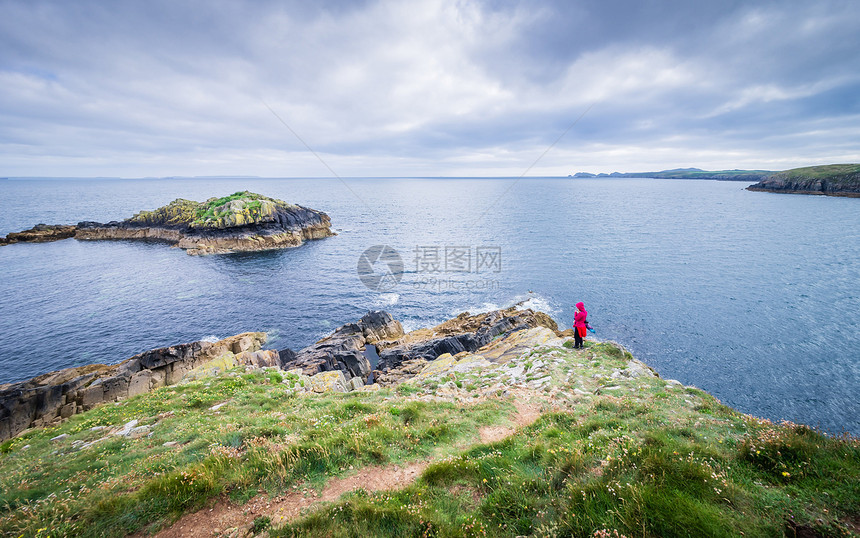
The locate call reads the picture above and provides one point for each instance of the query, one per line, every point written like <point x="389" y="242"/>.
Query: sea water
<point x="753" y="297"/>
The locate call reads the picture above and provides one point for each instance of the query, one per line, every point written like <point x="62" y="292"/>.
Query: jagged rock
<point x="463" y="333"/>
<point x="343" y="349"/>
<point x="379" y="325"/>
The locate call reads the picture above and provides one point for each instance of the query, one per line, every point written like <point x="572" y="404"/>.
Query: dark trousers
<point x="577" y="340"/>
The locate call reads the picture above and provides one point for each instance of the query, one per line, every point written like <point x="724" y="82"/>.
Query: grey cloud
<point x="421" y="85"/>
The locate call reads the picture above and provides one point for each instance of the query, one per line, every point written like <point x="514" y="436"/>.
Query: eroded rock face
<point x="55" y="396"/>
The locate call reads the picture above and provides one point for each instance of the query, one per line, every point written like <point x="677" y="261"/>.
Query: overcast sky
<point x="424" y="87"/>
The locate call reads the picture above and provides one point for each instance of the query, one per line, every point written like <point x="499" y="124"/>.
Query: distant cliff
<point x="243" y="221"/>
<point x="831" y="180"/>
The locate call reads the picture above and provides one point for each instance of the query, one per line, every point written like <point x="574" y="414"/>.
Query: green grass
<point x="829" y="171"/>
<point x="265" y="437"/>
<point x="652" y="459"/>
<point x="580" y="472"/>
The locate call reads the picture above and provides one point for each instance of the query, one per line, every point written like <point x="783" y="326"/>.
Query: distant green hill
<point x="831" y="180"/>
<point x="688" y="173"/>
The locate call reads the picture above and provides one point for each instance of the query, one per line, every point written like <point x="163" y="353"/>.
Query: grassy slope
<point x="646" y="458"/>
<point x="833" y="172"/>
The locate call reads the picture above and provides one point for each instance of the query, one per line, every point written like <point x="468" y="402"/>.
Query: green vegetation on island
<point x="238" y="209"/>
<point x="554" y="442"/>
<point x="832" y="180"/>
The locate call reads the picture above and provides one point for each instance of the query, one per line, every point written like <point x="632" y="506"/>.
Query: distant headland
<point x="686" y="173"/>
<point x="241" y="222"/>
<point x="830" y="180"/>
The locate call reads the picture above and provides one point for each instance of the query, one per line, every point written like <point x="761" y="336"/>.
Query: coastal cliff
<point x="508" y="431"/>
<point x="830" y="180"/>
<point x="241" y="222"/>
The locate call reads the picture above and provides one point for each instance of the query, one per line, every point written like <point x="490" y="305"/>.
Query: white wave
<point x="482" y="309"/>
<point x="409" y="326"/>
<point x="386" y="299"/>
<point x="211" y="339"/>
<point x="535" y="302"/>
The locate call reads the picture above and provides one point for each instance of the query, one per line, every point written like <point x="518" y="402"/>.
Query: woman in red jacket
<point x="580" y="325"/>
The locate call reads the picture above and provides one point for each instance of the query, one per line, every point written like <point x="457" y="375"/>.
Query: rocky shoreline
<point x="337" y="363"/>
<point x="241" y="222"/>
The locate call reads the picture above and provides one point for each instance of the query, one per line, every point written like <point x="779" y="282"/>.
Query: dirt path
<point x="224" y="518"/>
<point x="527" y="412"/>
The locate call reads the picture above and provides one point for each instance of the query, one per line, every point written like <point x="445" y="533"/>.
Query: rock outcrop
<point x="335" y="363"/>
<point x="241" y="222"/>
<point x="53" y="397"/>
<point x="40" y="233"/>
<point x="343" y="349"/>
<point x="830" y="180"/>
<point x="463" y="333"/>
<point x="402" y="355"/>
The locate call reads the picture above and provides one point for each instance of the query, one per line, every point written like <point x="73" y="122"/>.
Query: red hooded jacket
<point x="580" y="316"/>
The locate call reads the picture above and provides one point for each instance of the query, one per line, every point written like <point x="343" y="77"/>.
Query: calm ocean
<point x="753" y="297"/>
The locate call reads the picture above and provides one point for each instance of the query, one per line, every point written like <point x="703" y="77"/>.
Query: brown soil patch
<point x="527" y="412"/>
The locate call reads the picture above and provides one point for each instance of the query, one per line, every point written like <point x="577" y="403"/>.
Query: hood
<point x="580" y="306"/>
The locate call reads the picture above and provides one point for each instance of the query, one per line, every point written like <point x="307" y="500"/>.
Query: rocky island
<point x="240" y="222"/>
<point x="485" y="425"/>
<point x="830" y="180"/>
